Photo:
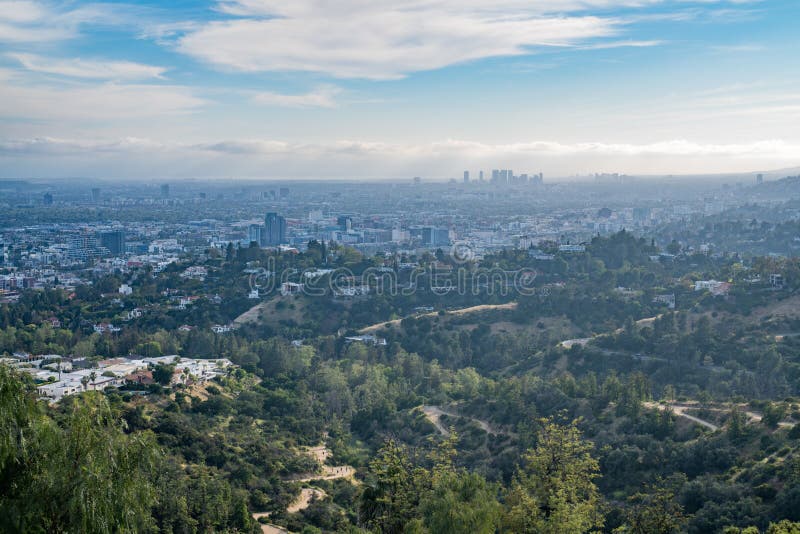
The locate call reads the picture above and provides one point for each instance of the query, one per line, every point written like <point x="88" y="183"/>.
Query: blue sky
<point x="387" y="89"/>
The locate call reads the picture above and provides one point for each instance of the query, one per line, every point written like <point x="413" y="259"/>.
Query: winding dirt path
<point x="303" y="501"/>
<point x="680" y="411"/>
<point x="435" y="413"/>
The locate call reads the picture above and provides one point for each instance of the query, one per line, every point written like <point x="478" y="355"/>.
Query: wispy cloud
<point x="738" y="48"/>
<point x="87" y="102"/>
<point x="93" y="69"/>
<point x="321" y="97"/>
<point x="621" y="44"/>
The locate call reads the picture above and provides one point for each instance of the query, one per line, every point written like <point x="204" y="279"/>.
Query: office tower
<point x="255" y="233"/>
<point x="466" y="177"/>
<point x="435" y="237"/>
<point x="284" y="192"/>
<point x="759" y="179"/>
<point x="164" y="190"/>
<point x="274" y="229"/>
<point x="641" y="215"/>
<point x="95" y="194"/>
<point x="113" y="241"/>
<point x="47" y="199"/>
<point x="480" y="176"/>
<point x="344" y="222"/>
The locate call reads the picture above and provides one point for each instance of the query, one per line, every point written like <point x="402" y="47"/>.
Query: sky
<point x="380" y="89"/>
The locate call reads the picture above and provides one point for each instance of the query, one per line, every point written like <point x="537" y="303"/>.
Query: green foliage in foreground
<point x="82" y="474"/>
<point x="79" y="471"/>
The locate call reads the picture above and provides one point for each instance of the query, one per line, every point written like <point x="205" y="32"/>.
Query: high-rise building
<point x="759" y="179"/>
<point x="435" y="237"/>
<point x="480" y="176"/>
<point x="641" y="215"/>
<point x="345" y="222"/>
<point x="164" y="190"/>
<point x="113" y="241"/>
<point x="274" y="229"/>
<point x="47" y="200"/>
<point x="95" y="194"/>
<point x="283" y="192"/>
<point x="255" y="233"/>
<point x="466" y="177"/>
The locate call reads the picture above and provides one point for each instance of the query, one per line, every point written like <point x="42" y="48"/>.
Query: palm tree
<point x="93" y="377"/>
<point x="84" y="382"/>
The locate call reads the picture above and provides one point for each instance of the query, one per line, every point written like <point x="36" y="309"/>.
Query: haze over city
<point x="380" y="90"/>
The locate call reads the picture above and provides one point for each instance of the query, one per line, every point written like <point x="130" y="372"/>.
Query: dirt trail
<point x="461" y="311"/>
<point x="267" y="528"/>
<point x="329" y="472"/>
<point x="303" y="501"/>
<point x="582" y="341"/>
<point x="435" y="413"/>
<point x="320" y="453"/>
<point x="680" y="411"/>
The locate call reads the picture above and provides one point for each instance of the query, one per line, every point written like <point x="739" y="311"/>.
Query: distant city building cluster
<point x="156" y="226"/>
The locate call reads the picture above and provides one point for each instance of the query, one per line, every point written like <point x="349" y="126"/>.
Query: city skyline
<point x="257" y="89"/>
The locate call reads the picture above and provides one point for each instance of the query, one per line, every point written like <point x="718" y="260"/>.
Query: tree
<point x="773" y="413"/>
<point x="390" y="500"/>
<point x="83" y="474"/>
<point x="461" y="502"/>
<point x="162" y="373"/>
<point x="653" y="512"/>
<point x="554" y="491"/>
<point x="674" y="247"/>
<point x="737" y="424"/>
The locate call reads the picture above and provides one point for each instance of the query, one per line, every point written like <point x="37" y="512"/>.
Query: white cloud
<point x="621" y="44"/>
<point x="385" y="39"/>
<point x="93" y="69"/>
<point x="27" y="21"/>
<point x="21" y="11"/>
<point x="254" y="158"/>
<point x="105" y="101"/>
<point x="321" y="97"/>
<point x="11" y="33"/>
<point x="380" y="39"/>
